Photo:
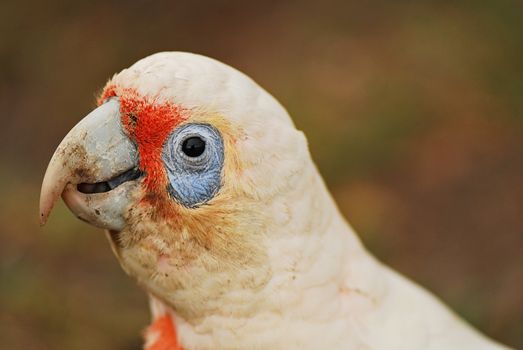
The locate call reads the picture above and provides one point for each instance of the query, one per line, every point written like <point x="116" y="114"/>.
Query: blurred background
<point x="413" y="112"/>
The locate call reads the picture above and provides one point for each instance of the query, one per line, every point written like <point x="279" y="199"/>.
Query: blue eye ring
<point x="193" y="181"/>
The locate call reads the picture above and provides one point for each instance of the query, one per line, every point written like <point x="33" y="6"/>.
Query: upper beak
<point x="92" y="168"/>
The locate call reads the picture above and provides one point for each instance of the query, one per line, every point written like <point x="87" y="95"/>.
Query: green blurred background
<point x="413" y="110"/>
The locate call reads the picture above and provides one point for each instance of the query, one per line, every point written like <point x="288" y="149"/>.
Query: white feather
<point x="326" y="291"/>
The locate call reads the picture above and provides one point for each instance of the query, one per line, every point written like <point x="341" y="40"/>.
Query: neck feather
<point x="315" y="261"/>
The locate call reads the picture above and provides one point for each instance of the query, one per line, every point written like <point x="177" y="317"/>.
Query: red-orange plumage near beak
<point x="212" y="203"/>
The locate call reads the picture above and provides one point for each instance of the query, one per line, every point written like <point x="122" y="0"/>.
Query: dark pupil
<point x="193" y="146"/>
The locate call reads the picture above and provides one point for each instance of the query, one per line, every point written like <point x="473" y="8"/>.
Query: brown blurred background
<point x="413" y="112"/>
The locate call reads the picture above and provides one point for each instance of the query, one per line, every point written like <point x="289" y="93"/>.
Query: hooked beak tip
<point x="43" y="218"/>
<point x="95" y="150"/>
<point x="46" y="205"/>
<point x="45" y="209"/>
<point x="55" y="180"/>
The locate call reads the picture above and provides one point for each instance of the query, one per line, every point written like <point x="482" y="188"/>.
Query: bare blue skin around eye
<point x="194" y="181"/>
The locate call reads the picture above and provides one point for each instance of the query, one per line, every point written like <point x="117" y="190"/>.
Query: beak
<point x="93" y="169"/>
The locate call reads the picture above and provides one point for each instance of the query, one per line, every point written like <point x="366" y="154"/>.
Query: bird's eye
<point x="193" y="146"/>
<point x="193" y="158"/>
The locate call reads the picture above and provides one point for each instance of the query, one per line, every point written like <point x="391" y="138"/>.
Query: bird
<point x="211" y="202"/>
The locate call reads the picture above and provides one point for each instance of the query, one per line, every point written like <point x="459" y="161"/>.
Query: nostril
<point x="98" y="187"/>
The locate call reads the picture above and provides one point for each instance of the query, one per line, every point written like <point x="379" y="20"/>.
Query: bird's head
<point x="194" y="170"/>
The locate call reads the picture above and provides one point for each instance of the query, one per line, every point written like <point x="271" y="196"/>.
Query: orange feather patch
<point x="148" y="122"/>
<point x="164" y="331"/>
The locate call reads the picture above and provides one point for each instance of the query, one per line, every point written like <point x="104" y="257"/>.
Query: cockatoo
<point x="212" y="203"/>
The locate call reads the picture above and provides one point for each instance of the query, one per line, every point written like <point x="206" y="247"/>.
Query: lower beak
<point x="93" y="170"/>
